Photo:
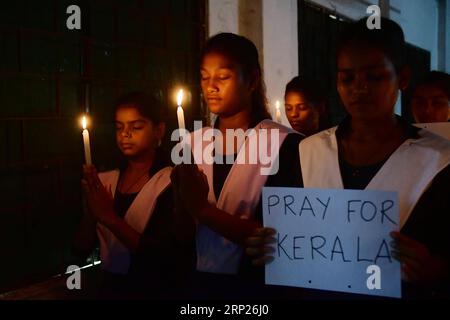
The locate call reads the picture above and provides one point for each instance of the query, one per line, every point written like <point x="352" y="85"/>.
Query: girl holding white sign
<point x="225" y="197"/>
<point x="375" y="149"/>
<point x="146" y="247"/>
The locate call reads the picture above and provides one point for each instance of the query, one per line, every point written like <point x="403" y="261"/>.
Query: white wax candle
<point x="86" y="142"/>
<point x="278" y="112"/>
<point x="180" y="112"/>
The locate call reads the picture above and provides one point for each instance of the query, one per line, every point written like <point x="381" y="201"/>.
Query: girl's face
<point x="430" y="104"/>
<point x="225" y="90"/>
<point x="367" y="82"/>
<point x="136" y="135"/>
<point x="302" y="115"/>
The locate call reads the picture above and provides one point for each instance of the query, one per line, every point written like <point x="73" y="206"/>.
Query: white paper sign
<point x="333" y="239"/>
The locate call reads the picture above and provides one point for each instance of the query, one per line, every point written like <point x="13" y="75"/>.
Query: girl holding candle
<point x="145" y="245"/>
<point x="431" y="98"/>
<point x="375" y="149"/>
<point x="305" y="106"/>
<point x="226" y="198"/>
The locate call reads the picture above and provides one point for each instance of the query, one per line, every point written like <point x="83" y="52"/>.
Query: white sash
<point x="410" y="170"/>
<point x="240" y="195"/>
<point x="115" y="256"/>
<point x="440" y="128"/>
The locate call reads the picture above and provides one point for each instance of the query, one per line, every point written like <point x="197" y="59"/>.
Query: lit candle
<point x="87" y="145"/>
<point x="278" y="112"/>
<point x="180" y="113"/>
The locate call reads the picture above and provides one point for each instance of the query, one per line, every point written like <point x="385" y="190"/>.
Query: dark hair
<point x="389" y="39"/>
<point x="310" y="89"/>
<point x="147" y="105"/>
<point x="243" y="52"/>
<point x="438" y="79"/>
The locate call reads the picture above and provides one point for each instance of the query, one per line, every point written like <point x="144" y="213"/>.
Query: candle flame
<point x="179" y="97"/>
<point x="277" y="104"/>
<point x="84" y="122"/>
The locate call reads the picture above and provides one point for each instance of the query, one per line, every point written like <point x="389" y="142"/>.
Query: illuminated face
<point x="367" y="83"/>
<point x="135" y="135"/>
<point x="302" y="115"/>
<point x="430" y="104"/>
<point x="223" y="85"/>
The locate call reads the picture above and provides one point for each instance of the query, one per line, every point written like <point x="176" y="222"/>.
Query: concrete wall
<point x="272" y="26"/>
<point x="418" y="18"/>
<point x="223" y="16"/>
<point x="419" y="21"/>
<point x="447" y="37"/>
<point x="280" y="29"/>
<point x="352" y="9"/>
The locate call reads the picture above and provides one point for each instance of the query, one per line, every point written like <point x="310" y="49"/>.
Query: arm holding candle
<point x="85" y="236"/>
<point x="191" y="191"/>
<point x="100" y="204"/>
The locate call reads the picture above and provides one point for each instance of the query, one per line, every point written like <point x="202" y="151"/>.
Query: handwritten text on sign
<point x="329" y="239"/>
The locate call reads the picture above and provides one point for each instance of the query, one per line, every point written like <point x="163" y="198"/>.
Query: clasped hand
<point x="99" y="200"/>
<point x="190" y="187"/>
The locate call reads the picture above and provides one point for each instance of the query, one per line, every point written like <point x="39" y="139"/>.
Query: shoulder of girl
<point x="270" y="124"/>
<point x="106" y="175"/>
<point x="434" y="141"/>
<point x="166" y="171"/>
<point x="109" y="172"/>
